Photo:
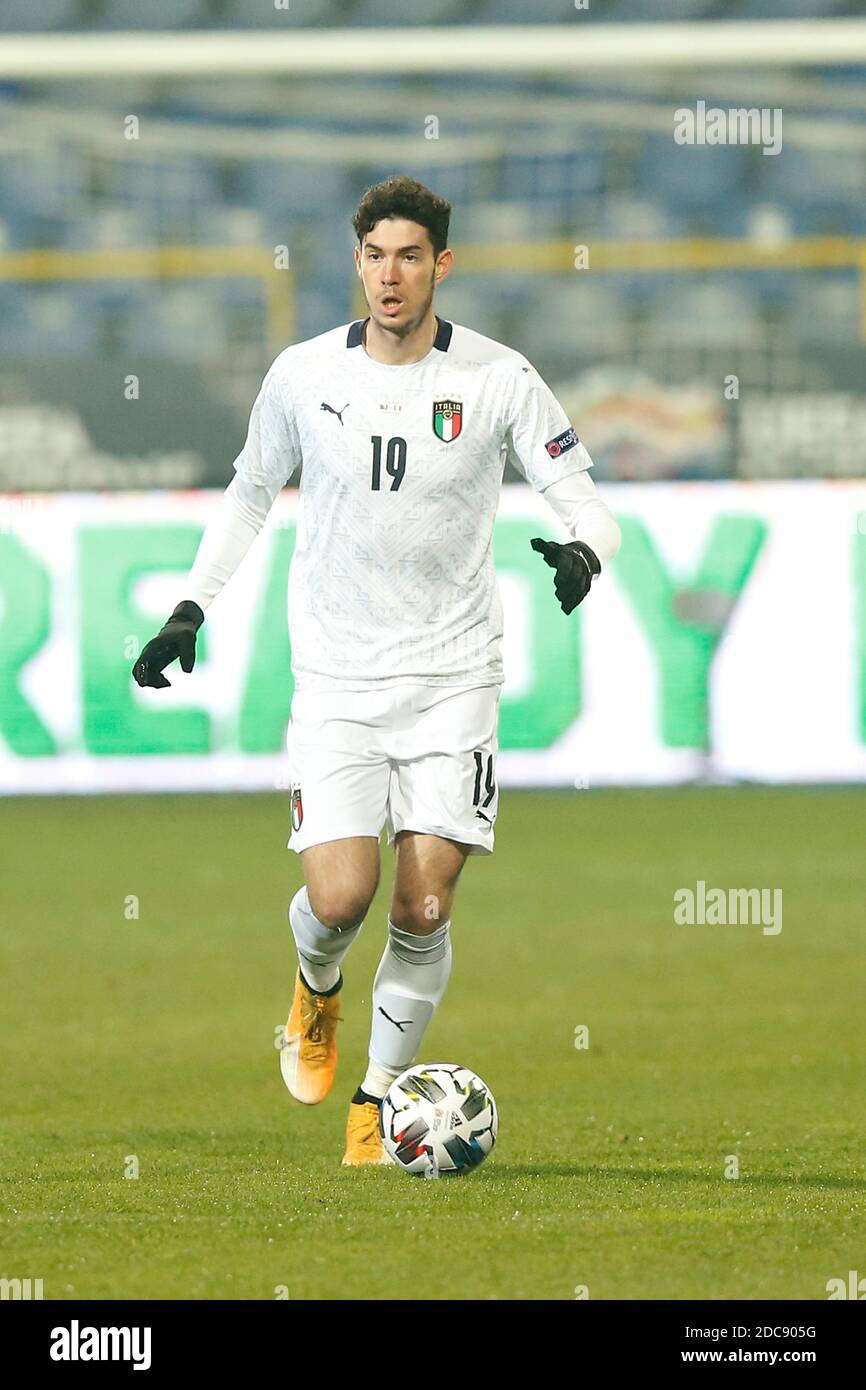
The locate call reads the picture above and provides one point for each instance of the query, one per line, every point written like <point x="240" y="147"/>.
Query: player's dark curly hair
<point x="401" y="196"/>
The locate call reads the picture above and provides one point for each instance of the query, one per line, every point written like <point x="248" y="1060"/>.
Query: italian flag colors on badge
<point x="447" y="419"/>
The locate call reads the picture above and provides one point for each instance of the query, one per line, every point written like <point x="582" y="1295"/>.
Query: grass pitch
<point x="148" y="1044"/>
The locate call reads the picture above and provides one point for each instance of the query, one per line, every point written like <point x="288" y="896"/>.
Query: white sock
<point x="320" y="948"/>
<point x="378" y="1079"/>
<point x="409" y="984"/>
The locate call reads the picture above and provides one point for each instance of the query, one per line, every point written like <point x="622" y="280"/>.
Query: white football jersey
<point x="392" y="577"/>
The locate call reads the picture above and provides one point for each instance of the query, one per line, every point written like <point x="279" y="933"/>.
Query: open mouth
<point x="391" y="304"/>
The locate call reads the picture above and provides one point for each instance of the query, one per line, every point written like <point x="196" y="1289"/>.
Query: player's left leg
<point x="442" y="806"/>
<point x="411" y="978"/>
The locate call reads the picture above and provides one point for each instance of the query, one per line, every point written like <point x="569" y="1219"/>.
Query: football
<point x="438" y="1120"/>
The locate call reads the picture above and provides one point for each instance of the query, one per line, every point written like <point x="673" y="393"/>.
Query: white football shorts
<point x="410" y="757"/>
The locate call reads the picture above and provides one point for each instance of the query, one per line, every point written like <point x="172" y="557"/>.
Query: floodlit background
<point x="168" y="223"/>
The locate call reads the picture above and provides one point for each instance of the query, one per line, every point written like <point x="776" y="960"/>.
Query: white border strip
<point x="554" y="50"/>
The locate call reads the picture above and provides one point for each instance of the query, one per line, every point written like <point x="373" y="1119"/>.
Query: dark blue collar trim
<point x="442" y="341"/>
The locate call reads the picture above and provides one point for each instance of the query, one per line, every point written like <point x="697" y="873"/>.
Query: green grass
<point x="154" y="1037"/>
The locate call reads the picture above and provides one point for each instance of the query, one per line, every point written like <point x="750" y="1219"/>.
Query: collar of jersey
<point x="441" y="343"/>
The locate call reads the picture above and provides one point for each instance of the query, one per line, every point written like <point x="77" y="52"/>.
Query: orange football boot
<point x="363" y="1140"/>
<point x="308" y="1055"/>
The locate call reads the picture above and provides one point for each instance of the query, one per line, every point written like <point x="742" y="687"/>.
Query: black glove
<point x="177" y="638"/>
<point x="576" y="566"/>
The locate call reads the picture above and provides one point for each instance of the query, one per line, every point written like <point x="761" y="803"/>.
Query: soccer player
<point x="402" y="422"/>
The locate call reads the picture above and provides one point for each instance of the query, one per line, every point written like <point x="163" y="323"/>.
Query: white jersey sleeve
<point x="272" y="450"/>
<point x="227" y="537"/>
<point x="541" y="442"/>
<point x="269" y="457"/>
<point x="584" y="515"/>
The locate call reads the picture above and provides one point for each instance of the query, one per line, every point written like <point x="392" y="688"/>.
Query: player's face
<point x="399" y="273"/>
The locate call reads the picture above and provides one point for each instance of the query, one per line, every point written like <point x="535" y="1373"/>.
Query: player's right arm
<point x="269" y="457"/>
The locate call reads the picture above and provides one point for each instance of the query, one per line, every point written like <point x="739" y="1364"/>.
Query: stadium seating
<point x="47" y="15"/>
<point x="52" y="322"/>
<point x="809" y="175"/>
<point x="263" y="14"/>
<point x="818" y="309"/>
<point x="36" y="16"/>
<point x="793" y="9"/>
<point x="528" y="175"/>
<point x="155" y="14"/>
<point x="720" y="311"/>
<point x="376" y="12"/>
<point x="639" y="12"/>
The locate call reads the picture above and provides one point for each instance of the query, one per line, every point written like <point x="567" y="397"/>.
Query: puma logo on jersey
<point x="483" y="817"/>
<point x="396" y="1022"/>
<point x="338" y="413"/>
